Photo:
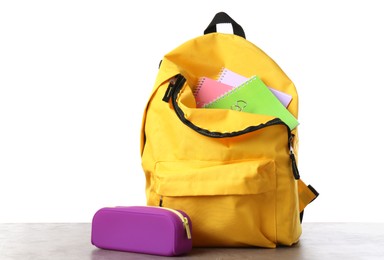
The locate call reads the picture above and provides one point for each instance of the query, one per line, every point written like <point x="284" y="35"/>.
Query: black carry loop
<point x="222" y="17"/>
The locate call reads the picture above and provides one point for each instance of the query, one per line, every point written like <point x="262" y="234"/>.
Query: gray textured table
<point x="72" y="241"/>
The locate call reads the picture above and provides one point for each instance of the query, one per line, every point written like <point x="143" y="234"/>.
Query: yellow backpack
<point x="234" y="173"/>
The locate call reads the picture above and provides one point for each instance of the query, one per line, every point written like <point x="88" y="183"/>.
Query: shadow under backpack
<point x="234" y="173"/>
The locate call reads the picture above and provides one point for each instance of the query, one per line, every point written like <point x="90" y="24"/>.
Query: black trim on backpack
<point x="222" y="17"/>
<point x="295" y="170"/>
<point x="301" y="216"/>
<point x="314" y="192"/>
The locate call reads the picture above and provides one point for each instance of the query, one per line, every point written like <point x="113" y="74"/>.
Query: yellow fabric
<point x="305" y="195"/>
<point x="238" y="191"/>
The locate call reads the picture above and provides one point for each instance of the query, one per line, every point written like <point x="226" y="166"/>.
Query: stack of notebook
<point x="236" y="92"/>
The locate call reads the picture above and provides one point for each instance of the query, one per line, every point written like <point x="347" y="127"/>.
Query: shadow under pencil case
<point x="142" y="229"/>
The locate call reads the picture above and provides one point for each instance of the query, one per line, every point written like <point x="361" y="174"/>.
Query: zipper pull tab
<point x="187" y="228"/>
<point x="295" y="170"/>
<point x="176" y="82"/>
<point x="169" y="91"/>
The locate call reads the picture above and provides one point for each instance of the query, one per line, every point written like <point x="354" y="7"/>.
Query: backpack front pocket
<point x="234" y="203"/>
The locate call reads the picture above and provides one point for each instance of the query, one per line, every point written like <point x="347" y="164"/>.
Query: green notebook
<point x="253" y="96"/>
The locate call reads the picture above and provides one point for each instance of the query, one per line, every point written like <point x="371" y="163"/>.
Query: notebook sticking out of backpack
<point x="234" y="79"/>
<point x="253" y="96"/>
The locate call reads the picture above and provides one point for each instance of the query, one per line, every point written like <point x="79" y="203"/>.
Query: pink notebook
<point x="208" y="90"/>
<point x="233" y="79"/>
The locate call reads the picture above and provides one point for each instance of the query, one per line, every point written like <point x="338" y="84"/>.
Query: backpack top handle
<point x="222" y="17"/>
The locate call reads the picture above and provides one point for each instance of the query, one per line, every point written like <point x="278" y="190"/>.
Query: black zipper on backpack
<point x="173" y="90"/>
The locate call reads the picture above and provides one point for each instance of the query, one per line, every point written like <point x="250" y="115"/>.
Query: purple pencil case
<point x="142" y="229"/>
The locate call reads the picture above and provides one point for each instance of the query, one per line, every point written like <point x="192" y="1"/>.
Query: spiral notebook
<point x="254" y="96"/>
<point x="234" y="79"/>
<point x="208" y="90"/>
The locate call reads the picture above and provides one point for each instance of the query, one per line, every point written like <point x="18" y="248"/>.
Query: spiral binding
<point x="198" y="86"/>
<point x="222" y="73"/>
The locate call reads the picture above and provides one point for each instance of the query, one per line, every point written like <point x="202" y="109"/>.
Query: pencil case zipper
<point x="183" y="219"/>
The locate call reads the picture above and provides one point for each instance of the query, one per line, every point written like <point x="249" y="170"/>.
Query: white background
<point x="75" y="77"/>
